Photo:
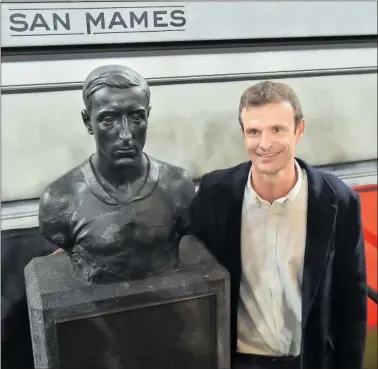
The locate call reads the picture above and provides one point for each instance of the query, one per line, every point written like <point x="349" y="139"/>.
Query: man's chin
<point x="127" y="162"/>
<point x="269" y="169"/>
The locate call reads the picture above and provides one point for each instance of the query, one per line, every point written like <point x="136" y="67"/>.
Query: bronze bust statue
<point x="118" y="214"/>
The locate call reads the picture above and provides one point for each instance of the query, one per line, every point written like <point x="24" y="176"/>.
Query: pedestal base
<point x="178" y="320"/>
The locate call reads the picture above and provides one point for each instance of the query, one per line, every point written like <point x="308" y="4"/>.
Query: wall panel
<point x="191" y="125"/>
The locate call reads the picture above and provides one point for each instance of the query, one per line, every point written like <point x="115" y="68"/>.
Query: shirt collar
<point x="99" y="191"/>
<point x="291" y="195"/>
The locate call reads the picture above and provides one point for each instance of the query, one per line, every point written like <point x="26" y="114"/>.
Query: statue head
<point x="116" y="113"/>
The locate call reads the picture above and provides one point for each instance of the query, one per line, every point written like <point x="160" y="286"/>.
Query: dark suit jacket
<point x="334" y="292"/>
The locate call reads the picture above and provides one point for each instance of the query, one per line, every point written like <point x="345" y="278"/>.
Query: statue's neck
<point x="120" y="179"/>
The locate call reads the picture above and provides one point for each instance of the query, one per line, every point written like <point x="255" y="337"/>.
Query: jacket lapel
<point x="321" y="221"/>
<point x="235" y="189"/>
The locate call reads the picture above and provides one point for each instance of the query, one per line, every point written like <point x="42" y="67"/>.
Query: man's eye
<point x="277" y="129"/>
<point x="108" y="121"/>
<point x="136" y="117"/>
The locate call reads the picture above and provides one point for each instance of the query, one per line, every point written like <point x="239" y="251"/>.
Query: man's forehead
<point x="269" y="107"/>
<point x="119" y="96"/>
<point x="281" y="111"/>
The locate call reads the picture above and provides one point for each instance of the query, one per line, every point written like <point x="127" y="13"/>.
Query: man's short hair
<point x="267" y="92"/>
<point x="117" y="76"/>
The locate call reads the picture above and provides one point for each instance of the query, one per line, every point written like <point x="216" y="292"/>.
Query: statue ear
<point x="149" y="110"/>
<point x="87" y="121"/>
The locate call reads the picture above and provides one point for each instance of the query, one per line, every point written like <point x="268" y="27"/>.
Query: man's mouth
<point x="125" y="152"/>
<point x="268" y="155"/>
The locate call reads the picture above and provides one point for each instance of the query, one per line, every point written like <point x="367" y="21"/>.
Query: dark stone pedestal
<point x="175" y="321"/>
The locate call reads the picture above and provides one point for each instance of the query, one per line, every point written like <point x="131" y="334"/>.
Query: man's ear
<point x="300" y="131"/>
<point x="87" y="121"/>
<point x="149" y="110"/>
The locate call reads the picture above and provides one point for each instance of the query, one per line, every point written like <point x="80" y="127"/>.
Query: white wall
<point x="191" y="125"/>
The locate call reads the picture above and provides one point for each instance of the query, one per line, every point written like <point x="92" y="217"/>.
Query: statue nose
<point x="125" y="133"/>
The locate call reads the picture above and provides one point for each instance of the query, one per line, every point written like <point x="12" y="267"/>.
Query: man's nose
<point x="265" y="141"/>
<point x="125" y="133"/>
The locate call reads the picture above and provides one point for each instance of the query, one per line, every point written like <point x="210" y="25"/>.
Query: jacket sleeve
<point x="350" y="289"/>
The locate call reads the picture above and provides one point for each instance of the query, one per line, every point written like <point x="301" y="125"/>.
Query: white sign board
<point x="77" y="23"/>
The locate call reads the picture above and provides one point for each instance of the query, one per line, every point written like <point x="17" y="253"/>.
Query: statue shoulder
<point x="171" y="171"/>
<point x="177" y="179"/>
<point x="57" y="206"/>
<point x="59" y="195"/>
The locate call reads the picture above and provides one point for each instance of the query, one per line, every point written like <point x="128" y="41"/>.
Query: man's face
<point x="118" y="120"/>
<point x="270" y="136"/>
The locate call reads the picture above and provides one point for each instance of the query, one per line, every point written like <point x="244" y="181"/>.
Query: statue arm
<point x="54" y="223"/>
<point x="183" y="221"/>
<point x="191" y="220"/>
<point x="193" y="217"/>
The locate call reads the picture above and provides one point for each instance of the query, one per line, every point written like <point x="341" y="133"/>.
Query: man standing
<point x="291" y="239"/>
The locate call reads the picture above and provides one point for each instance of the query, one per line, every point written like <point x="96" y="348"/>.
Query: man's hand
<point x="58" y="252"/>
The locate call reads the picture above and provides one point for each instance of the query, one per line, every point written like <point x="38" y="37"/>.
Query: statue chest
<point x="145" y="222"/>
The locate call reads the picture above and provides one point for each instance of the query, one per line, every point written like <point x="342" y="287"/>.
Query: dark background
<point x="18" y="247"/>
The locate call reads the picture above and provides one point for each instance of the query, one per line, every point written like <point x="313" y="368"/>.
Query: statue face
<point x="118" y="121"/>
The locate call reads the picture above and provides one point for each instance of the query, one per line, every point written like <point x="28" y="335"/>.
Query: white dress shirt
<point x="273" y="240"/>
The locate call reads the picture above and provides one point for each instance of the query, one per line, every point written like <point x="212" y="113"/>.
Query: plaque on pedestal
<point x="179" y="319"/>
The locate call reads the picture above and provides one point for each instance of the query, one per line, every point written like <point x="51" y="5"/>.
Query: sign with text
<point x="86" y="22"/>
<point x="77" y="23"/>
